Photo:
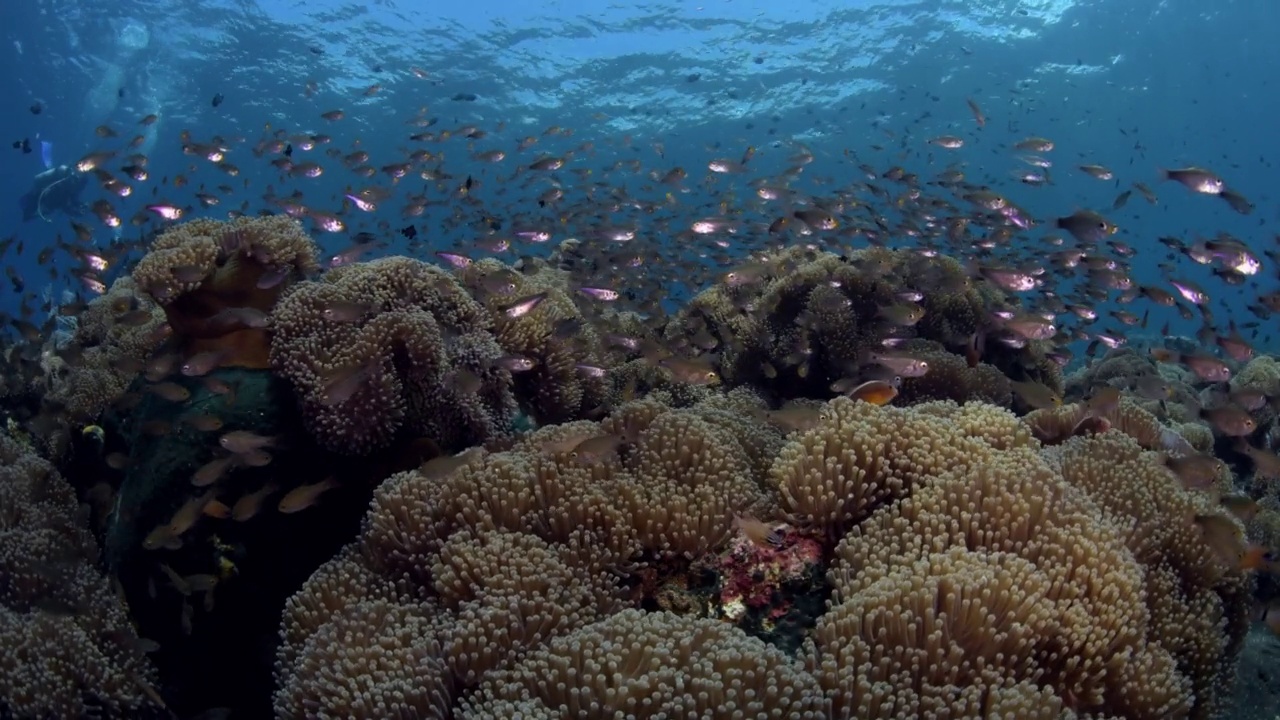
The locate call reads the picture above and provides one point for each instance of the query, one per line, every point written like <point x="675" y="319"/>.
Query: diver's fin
<point x="46" y="153"/>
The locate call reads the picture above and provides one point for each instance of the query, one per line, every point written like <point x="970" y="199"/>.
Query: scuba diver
<point x="57" y="188"/>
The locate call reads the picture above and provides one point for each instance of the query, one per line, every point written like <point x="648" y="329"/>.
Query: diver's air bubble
<point x="134" y="35"/>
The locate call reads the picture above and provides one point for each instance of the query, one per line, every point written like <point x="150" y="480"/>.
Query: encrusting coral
<point x="389" y="349"/>
<point x="67" y="648"/>
<point x="976" y="573"/>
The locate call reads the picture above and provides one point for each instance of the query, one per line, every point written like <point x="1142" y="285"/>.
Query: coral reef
<point x="800" y="320"/>
<point x="698" y="668"/>
<point x="217" y="281"/>
<point x="975" y="572"/>
<point x="567" y="508"/>
<point x="951" y="378"/>
<point x="116" y="334"/>
<point x="391" y="349"/>
<point x="67" y="648"/>
<point x="552" y="335"/>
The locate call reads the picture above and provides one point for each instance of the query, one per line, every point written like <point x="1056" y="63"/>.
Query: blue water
<point x="1135" y="86"/>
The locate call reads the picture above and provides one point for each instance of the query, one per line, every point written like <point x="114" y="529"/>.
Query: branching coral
<point x="218" y="280"/>
<point x="388" y="349"/>
<point x="67" y="648"/>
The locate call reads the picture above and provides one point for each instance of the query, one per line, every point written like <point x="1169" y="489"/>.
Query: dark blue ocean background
<point x="1135" y="86"/>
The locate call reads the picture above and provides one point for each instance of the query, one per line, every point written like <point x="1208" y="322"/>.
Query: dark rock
<point x="217" y="647"/>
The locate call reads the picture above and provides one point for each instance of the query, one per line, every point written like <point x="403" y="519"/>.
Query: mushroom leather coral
<point x="212" y="277"/>
<point x="976" y="573"/>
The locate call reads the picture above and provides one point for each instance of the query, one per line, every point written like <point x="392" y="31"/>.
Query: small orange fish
<point x="1260" y="559"/>
<point x="343" y="382"/>
<point x="876" y="392"/>
<point x="1266" y="464"/>
<point x="242" y="441"/>
<point x="203" y="423"/>
<point x="1196" y="472"/>
<point x="212" y="471"/>
<point x="169" y="535"/>
<point x="1231" y="421"/>
<point x="200" y="364"/>
<point x="1104" y="401"/>
<point x="795" y="418"/>
<point x="304" y="496"/>
<point x="761" y="534"/>
<point x="1242" y="506"/>
<point x="695" y="371"/>
<point x="1224" y="536"/>
<point x="171" y="391"/>
<point x="596" y="449"/>
<point x="1036" y="394"/>
<point x="249" y="505"/>
<point x="442" y="467"/>
<point x="188" y="514"/>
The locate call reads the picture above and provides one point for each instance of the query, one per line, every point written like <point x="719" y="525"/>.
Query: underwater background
<point x="576" y="359"/>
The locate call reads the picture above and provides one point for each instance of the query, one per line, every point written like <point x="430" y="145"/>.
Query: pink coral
<point x="763" y="576"/>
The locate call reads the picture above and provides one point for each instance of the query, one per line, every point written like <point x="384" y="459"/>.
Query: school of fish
<point x="641" y="229"/>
